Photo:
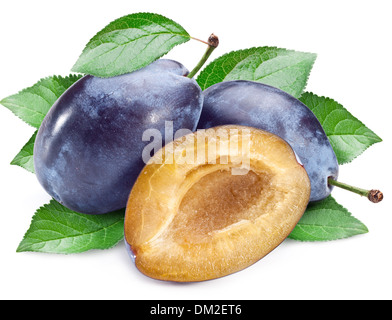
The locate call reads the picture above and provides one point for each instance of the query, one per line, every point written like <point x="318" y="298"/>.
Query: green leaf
<point x="32" y="104"/>
<point x="287" y="70"/>
<point x="129" y="43"/>
<point x="56" y="229"/>
<point x="327" y="220"/>
<point x="349" y="137"/>
<point x="24" y="158"/>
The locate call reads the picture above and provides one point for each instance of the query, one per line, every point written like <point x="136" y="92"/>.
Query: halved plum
<point x="214" y="202"/>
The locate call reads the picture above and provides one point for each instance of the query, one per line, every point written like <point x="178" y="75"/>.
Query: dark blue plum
<point x="257" y="105"/>
<point x="88" y="150"/>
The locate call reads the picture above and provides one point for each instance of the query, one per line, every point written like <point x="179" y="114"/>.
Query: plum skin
<point x="254" y="104"/>
<point x="88" y="150"/>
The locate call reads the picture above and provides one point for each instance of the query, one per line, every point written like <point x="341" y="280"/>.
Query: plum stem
<point x="212" y="43"/>
<point x="202" y="41"/>
<point x="373" y="195"/>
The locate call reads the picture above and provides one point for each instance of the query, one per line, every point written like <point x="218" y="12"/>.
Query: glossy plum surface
<point x="88" y="151"/>
<point x="257" y="105"/>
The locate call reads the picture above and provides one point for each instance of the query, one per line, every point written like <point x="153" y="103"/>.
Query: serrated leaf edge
<point x="335" y="101"/>
<point x="78" y="69"/>
<point x="13" y="162"/>
<point x="25" y="90"/>
<point x="337" y="207"/>
<point x="35" y="219"/>
<point x="212" y="66"/>
<point x="317" y="239"/>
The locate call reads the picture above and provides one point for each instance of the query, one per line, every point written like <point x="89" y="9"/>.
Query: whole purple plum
<point x="261" y="106"/>
<point x="88" y="150"/>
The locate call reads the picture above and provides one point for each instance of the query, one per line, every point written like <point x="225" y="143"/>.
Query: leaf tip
<point x="76" y="68"/>
<point x="21" y="247"/>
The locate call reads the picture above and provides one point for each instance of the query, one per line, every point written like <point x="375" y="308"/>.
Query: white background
<point x="354" y="67"/>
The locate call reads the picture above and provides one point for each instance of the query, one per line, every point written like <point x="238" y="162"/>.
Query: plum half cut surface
<point x="254" y="104"/>
<point x="213" y="203"/>
<point x="88" y="150"/>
